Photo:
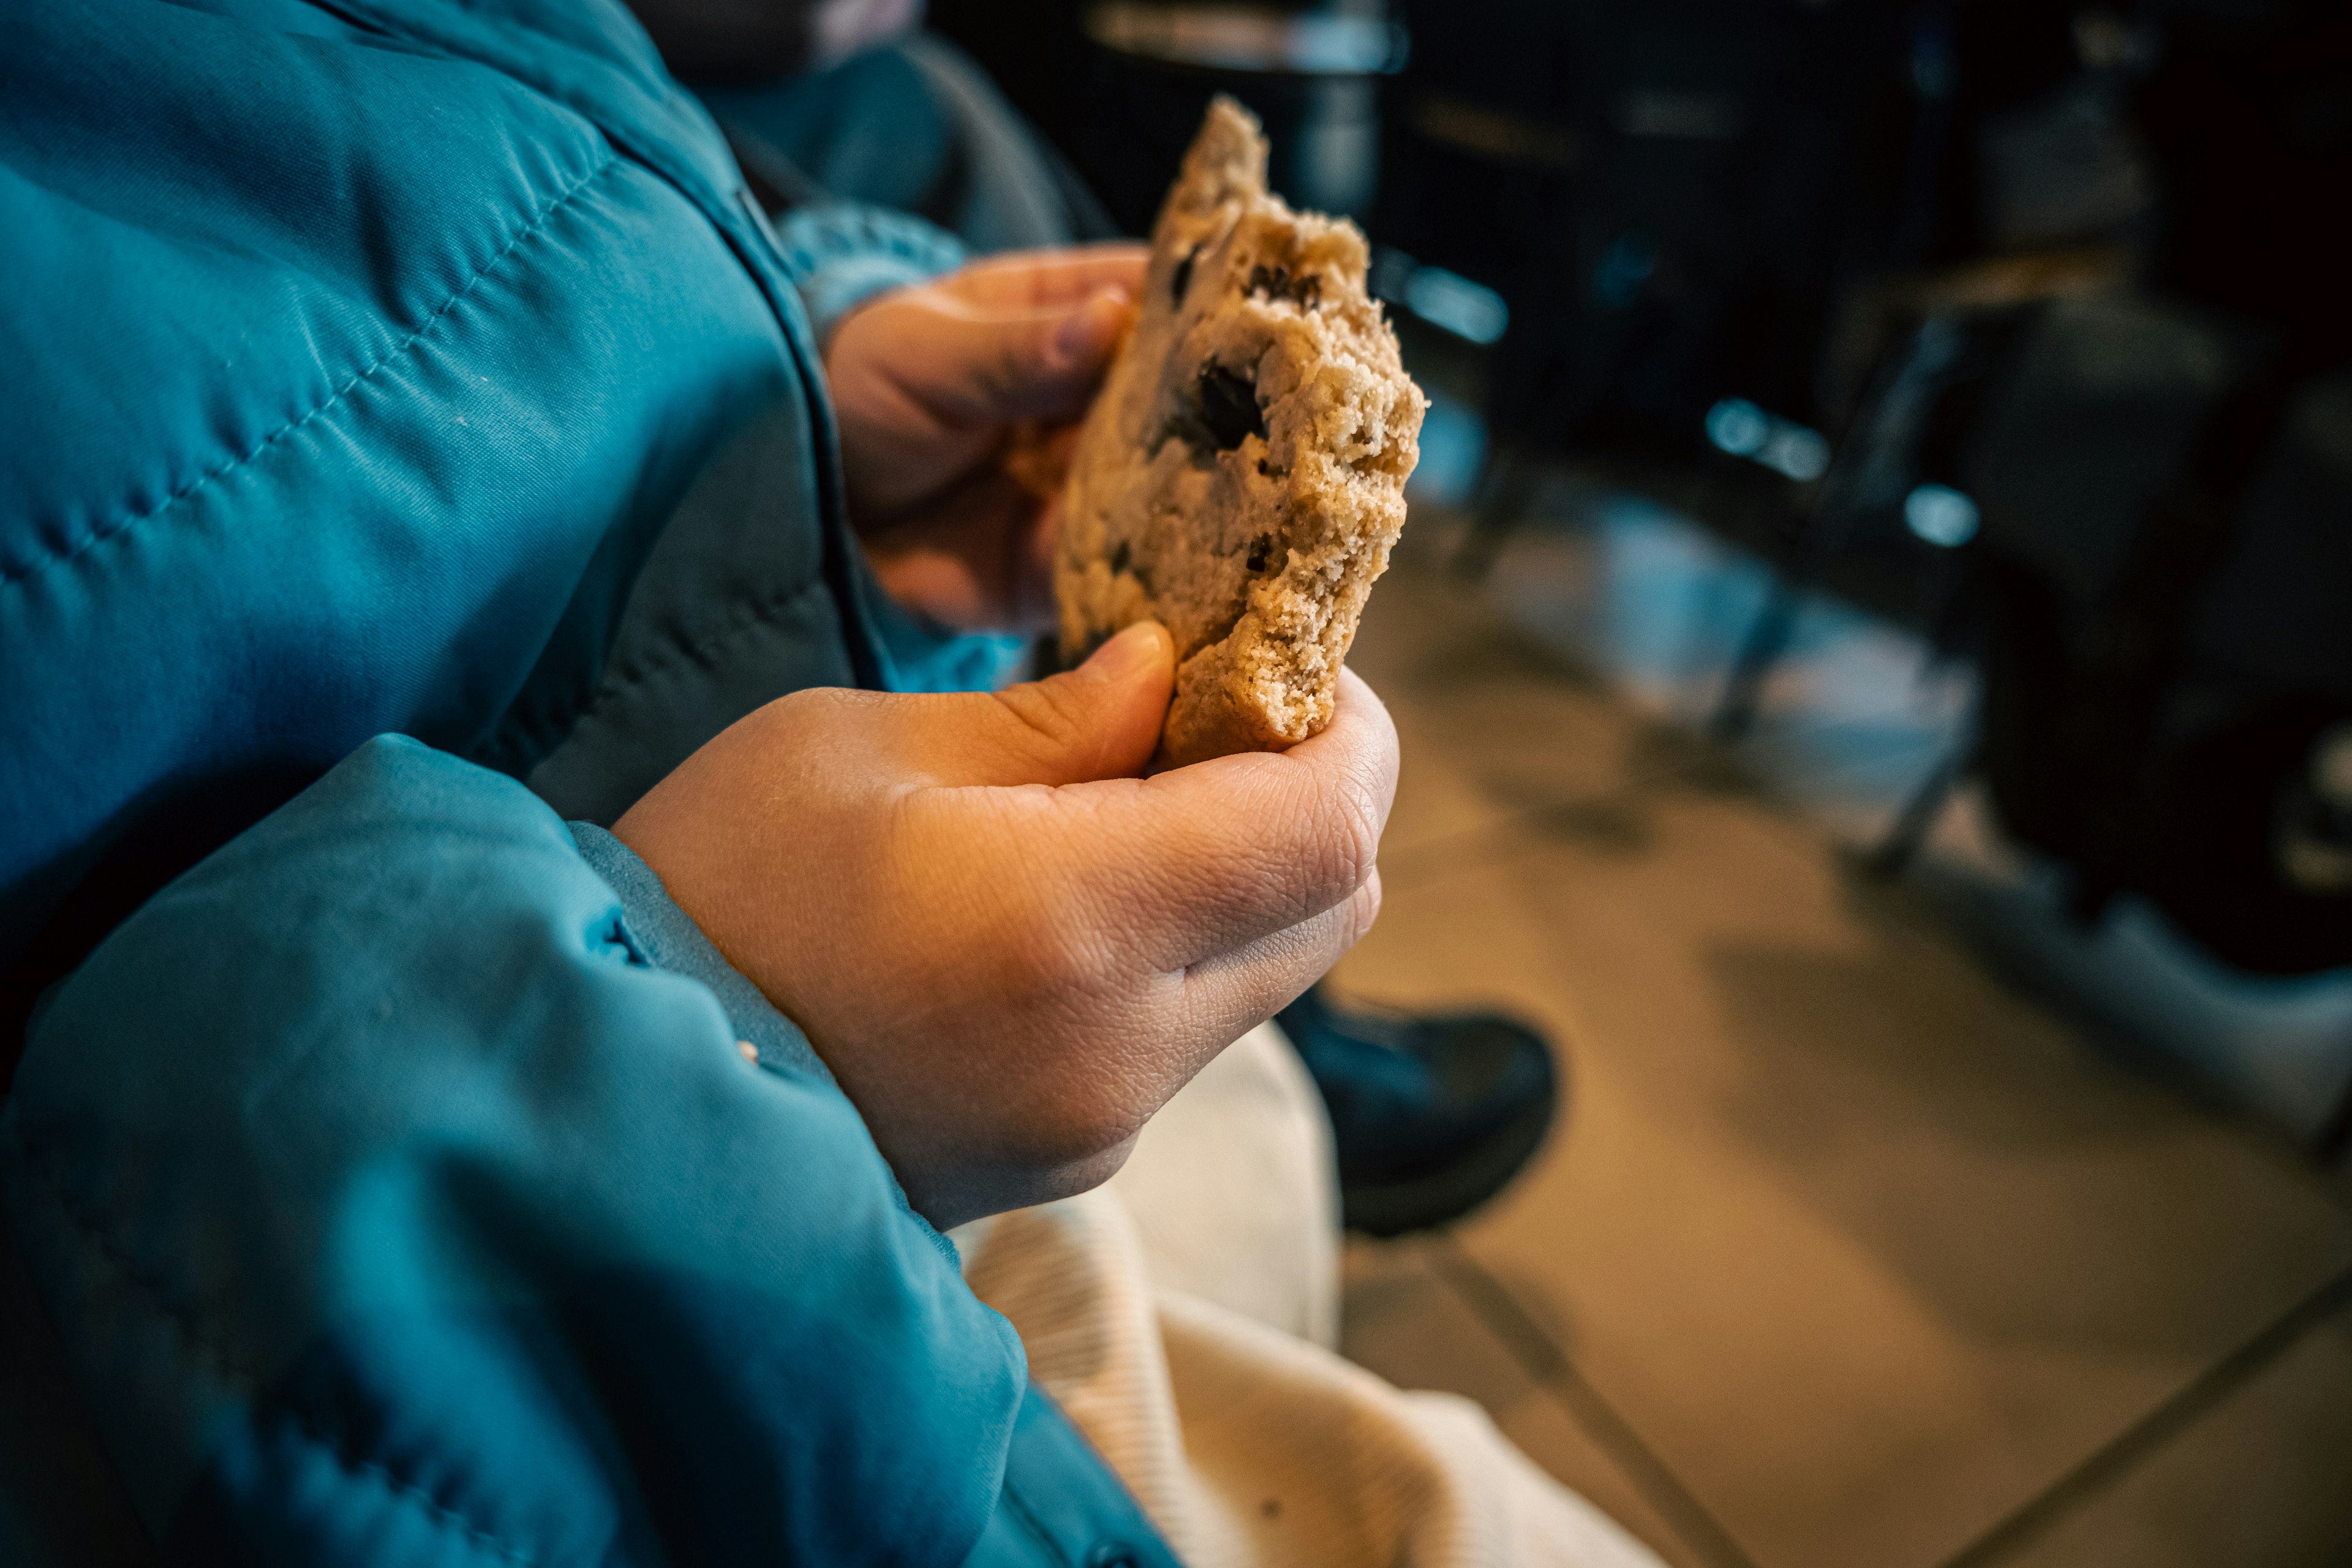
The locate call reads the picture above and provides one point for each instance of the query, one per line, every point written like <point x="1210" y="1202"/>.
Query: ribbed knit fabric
<point x="1236" y="1170"/>
<point x="1249" y="1445"/>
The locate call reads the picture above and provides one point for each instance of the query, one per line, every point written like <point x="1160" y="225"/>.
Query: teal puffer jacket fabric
<point x="392" y="394"/>
<point x="355" y="356"/>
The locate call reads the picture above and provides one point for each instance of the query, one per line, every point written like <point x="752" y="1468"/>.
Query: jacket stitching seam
<point x="673" y="653"/>
<point x="182" y="1322"/>
<point x="806" y="260"/>
<point x="202" y="1349"/>
<point x="128" y="521"/>
<point x="683" y="648"/>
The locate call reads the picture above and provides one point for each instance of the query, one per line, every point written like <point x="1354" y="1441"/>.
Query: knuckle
<point x="1363" y="909"/>
<point x="1044" y="719"/>
<point x="1008" y="362"/>
<point x="1359" y="827"/>
<point x="828" y="704"/>
<point x="1347" y="819"/>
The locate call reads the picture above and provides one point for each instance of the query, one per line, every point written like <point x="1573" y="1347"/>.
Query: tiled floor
<point x="1845" y="1252"/>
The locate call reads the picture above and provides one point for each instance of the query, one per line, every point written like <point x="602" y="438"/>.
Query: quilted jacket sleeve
<point x="396" y="1204"/>
<point x="841" y="255"/>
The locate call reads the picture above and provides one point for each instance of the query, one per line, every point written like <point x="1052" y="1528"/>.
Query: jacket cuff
<point x="841" y="256"/>
<point x="656" y="931"/>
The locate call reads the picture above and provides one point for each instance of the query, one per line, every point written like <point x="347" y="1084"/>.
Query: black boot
<point x="1431" y="1115"/>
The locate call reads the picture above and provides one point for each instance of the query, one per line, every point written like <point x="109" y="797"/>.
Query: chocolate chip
<point x="1275" y="282"/>
<point x="1229" y="409"/>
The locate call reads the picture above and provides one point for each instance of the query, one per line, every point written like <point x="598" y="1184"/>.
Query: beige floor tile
<point x="1866" y="1248"/>
<point x="1402" y="1319"/>
<point x="2261" y="1480"/>
<point x="1493" y="724"/>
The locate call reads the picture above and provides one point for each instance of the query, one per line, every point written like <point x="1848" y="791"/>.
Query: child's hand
<point x="933" y="384"/>
<point x="1010" y="949"/>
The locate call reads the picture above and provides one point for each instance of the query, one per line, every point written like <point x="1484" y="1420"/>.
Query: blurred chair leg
<point x="1819" y="531"/>
<point x="1767" y="640"/>
<point x="1894" y="853"/>
<point x="1884" y="437"/>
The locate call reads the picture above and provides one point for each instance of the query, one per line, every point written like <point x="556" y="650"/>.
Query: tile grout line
<point x="1549" y="1366"/>
<point x="2152" y="1431"/>
<point x="1441" y="857"/>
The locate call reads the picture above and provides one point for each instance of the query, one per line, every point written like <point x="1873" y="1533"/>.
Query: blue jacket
<point x="410" y="437"/>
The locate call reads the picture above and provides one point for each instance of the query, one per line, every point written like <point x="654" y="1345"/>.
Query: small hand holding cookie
<point x="955" y="399"/>
<point x="1009" y="947"/>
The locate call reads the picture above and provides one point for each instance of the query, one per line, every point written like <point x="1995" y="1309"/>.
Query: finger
<point x="1232" y="992"/>
<point x="994" y="538"/>
<point x="1037" y="456"/>
<point x="1100" y="721"/>
<point x="1183" y="1020"/>
<point x="1203" y="860"/>
<point x="979" y="558"/>
<point x="974" y="367"/>
<point x="945" y="379"/>
<point x="1049" y="278"/>
<point x="1034" y="601"/>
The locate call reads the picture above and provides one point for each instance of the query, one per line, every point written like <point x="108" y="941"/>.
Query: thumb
<point x="988" y="366"/>
<point x="1100" y="721"/>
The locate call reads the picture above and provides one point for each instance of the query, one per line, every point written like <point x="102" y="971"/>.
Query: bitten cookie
<point x="1241" y="478"/>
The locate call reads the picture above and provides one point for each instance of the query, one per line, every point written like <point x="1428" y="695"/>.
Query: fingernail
<point x="1126" y="654"/>
<point x="1078" y="335"/>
